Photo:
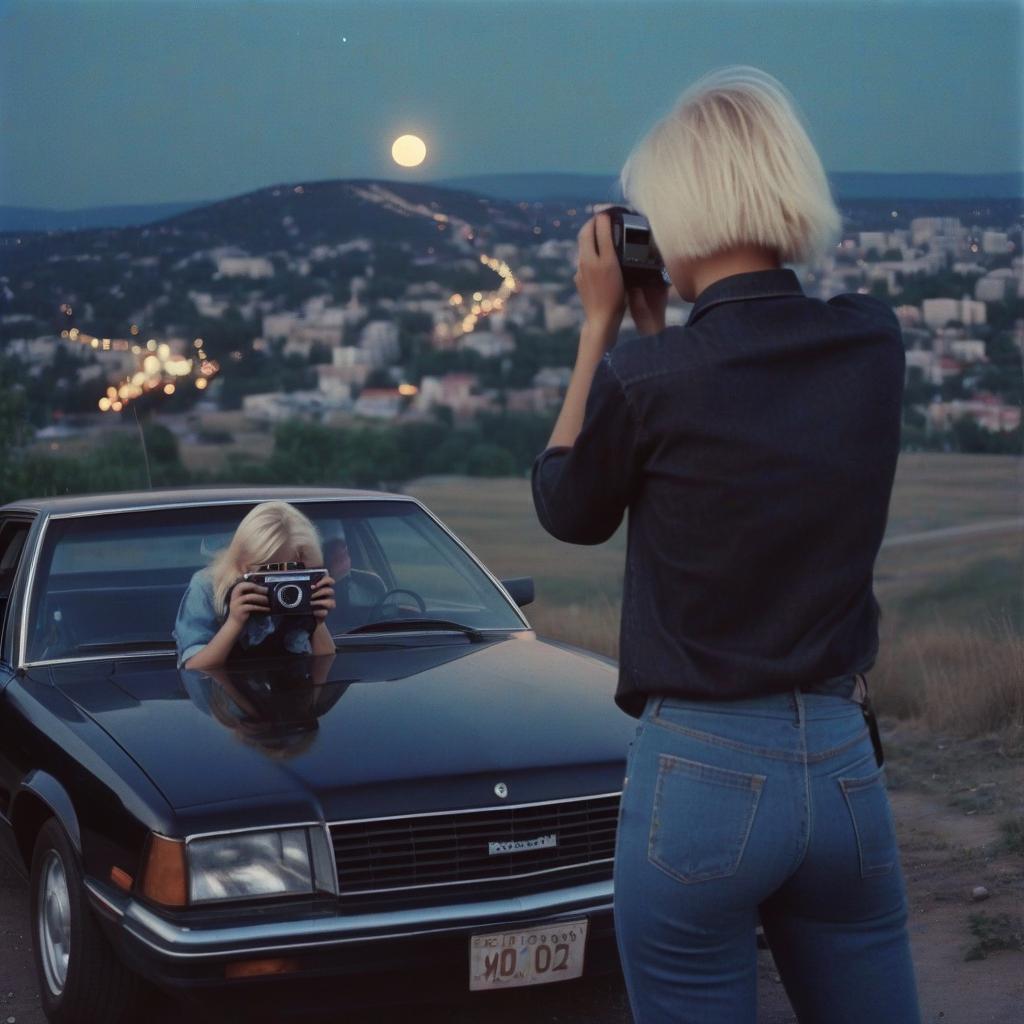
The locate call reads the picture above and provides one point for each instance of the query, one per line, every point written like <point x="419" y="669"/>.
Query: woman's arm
<point x="595" y="340"/>
<point x="322" y="641"/>
<point x="219" y="647"/>
<point x="322" y="602"/>
<point x="201" y="638"/>
<point x="599" y="282"/>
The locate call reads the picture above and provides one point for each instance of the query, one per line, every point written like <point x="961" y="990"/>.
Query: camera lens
<point x="289" y="595"/>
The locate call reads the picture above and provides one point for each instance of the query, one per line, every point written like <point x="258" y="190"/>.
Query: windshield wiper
<point x="128" y="645"/>
<point x="391" y="625"/>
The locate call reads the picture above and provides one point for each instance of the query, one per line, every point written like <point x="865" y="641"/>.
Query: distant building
<point x="488" y="343"/>
<point x="380" y="403"/>
<point x="937" y="312"/>
<point x="987" y="410"/>
<point x="995" y="242"/>
<point x="552" y="377"/>
<point x="990" y="288"/>
<point x="458" y="391"/>
<point x="280" y="406"/>
<point x="379" y="339"/>
<point x="968" y="350"/>
<point x="244" y="266"/>
<point x="206" y="305"/>
<point x="877" y="240"/>
<point x="335" y="379"/>
<point x="908" y="316"/>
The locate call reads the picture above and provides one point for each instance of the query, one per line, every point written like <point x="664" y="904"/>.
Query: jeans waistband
<point x="816" y="697"/>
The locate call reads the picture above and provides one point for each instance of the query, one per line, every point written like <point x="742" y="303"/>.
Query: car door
<point x="14" y="531"/>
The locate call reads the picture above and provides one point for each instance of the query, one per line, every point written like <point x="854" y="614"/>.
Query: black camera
<point x="289" y="586"/>
<point x="635" y="248"/>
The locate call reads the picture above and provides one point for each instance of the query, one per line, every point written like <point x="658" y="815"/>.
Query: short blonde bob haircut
<point x="732" y="164"/>
<point x="259" y="536"/>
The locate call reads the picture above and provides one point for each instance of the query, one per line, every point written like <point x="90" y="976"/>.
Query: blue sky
<point x="152" y="101"/>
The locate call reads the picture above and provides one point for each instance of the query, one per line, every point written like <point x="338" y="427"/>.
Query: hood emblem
<point x="501" y="790"/>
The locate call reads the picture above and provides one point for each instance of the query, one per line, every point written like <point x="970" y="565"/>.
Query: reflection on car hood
<point x="379" y="729"/>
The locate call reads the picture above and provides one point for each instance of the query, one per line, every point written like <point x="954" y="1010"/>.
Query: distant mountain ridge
<point x="31" y="218"/>
<point x="846" y="185"/>
<point x="538" y="187"/>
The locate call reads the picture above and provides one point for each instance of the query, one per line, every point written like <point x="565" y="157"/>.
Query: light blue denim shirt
<point x="198" y="622"/>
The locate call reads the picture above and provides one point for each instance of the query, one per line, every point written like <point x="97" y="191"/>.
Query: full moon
<point x="408" y="151"/>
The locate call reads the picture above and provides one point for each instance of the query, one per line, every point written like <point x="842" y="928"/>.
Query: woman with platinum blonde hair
<point x="213" y="628"/>
<point x="755" y="448"/>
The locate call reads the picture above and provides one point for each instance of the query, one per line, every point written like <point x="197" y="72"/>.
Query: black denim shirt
<point x="755" y="448"/>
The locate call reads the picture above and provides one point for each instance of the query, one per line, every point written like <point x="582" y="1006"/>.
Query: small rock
<point x="775" y="977"/>
<point x="979" y="892"/>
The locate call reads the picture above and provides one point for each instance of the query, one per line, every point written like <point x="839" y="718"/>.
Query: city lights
<point x="482" y="304"/>
<point x="158" y="367"/>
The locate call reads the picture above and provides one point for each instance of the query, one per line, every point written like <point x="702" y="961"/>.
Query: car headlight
<point x="251" y="864"/>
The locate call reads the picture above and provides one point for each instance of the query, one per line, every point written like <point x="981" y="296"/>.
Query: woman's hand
<point x="322" y="597"/>
<point x="598" y="277"/>
<point x="247" y="598"/>
<point x="647" y="304"/>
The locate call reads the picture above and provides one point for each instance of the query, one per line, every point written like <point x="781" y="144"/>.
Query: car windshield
<point x="113" y="582"/>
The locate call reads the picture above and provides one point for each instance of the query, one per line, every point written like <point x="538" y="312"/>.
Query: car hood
<point x="376" y="729"/>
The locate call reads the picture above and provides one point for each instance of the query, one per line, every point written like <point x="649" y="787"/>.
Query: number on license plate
<point x="530" y="956"/>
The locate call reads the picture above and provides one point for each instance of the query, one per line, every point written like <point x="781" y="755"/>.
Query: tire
<point x="81" y="980"/>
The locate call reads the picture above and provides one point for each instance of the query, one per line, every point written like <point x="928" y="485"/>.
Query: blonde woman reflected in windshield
<point x="275" y="705"/>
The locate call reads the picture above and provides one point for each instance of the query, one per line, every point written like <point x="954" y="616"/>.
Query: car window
<point x="111" y="582"/>
<point x="12" y="542"/>
<point x="421" y="559"/>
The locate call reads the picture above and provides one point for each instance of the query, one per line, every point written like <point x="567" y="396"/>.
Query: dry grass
<point x="951" y="651"/>
<point x="962" y="679"/>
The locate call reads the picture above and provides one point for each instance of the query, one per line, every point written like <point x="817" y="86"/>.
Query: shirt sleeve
<point x="298" y="641"/>
<point x="197" y="621"/>
<point x="581" y="491"/>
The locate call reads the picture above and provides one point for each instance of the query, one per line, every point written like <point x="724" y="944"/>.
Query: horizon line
<point x="480" y="174"/>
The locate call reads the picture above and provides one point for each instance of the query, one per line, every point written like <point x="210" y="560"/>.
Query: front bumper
<point x="390" y="956"/>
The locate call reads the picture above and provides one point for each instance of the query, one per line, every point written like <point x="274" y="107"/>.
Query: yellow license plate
<point x="529" y="956"/>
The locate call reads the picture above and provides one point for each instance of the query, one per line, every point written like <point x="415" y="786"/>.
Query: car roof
<point x="168" y="497"/>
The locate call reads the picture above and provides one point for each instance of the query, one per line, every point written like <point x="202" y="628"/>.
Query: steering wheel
<point x="371" y="615"/>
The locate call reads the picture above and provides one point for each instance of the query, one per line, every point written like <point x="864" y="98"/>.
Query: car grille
<point x="444" y="853"/>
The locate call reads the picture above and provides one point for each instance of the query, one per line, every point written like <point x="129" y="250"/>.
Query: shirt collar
<point x="755" y="284"/>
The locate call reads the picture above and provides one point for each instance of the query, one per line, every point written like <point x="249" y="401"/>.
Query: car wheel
<point x="81" y="981"/>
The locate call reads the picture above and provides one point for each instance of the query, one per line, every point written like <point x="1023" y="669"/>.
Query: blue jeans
<point x="770" y="807"/>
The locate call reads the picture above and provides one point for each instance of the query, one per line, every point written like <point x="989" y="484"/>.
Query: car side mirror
<point x="520" y="589"/>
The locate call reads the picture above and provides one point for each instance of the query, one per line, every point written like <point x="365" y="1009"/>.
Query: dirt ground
<point x="959" y="808"/>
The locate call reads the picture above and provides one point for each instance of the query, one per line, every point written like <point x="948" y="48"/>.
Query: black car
<point x="430" y="810"/>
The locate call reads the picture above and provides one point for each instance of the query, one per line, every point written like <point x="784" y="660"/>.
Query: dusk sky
<point x="153" y="101"/>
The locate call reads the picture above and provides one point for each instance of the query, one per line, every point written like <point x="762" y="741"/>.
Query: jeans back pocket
<point x="702" y="818"/>
<point x="868" y="801"/>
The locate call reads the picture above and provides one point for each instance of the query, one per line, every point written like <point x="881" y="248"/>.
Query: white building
<point x="878" y="240"/>
<point x="488" y="343"/>
<point x="244" y="266"/>
<point x="936" y="312"/>
<point x="990" y="288"/>
<point x="968" y="350"/>
<point x="206" y="304"/>
<point x="379" y="338"/>
<point x="381" y="403"/>
<point x="279" y="406"/>
<point x="334" y="379"/>
<point x="995" y="242"/>
<point x="350" y="355"/>
<point x="558" y="315"/>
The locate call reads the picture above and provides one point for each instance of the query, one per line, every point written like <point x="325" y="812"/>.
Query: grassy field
<point x="952" y="631"/>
